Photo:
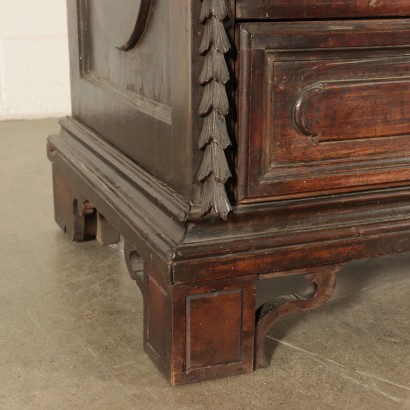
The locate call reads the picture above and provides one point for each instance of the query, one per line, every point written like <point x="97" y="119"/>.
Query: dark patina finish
<point x="230" y="142"/>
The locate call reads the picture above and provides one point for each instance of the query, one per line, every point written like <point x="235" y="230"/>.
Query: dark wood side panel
<point x="298" y="9"/>
<point x="134" y="96"/>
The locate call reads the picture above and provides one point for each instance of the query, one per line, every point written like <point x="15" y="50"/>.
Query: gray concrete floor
<point x="71" y="320"/>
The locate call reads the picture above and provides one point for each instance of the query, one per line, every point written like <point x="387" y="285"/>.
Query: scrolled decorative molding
<point x="324" y="281"/>
<point x="124" y="22"/>
<point x="214" y="139"/>
<point x="298" y="111"/>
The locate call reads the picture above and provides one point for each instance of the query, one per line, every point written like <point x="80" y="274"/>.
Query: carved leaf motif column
<point x="214" y="171"/>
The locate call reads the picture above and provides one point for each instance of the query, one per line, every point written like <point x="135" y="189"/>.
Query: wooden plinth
<point x="198" y="276"/>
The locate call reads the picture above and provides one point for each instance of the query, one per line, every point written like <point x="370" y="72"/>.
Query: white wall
<point x="34" y="67"/>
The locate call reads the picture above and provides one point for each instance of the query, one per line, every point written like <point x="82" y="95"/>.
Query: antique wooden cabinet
<point x="229" y="142"/>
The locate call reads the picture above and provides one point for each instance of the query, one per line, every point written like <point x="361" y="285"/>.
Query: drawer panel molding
<point x="371" y="109"/>
<point x="324" y="108"/>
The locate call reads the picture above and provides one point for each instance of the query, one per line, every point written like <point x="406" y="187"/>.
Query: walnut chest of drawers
<point x="230" y="142"/>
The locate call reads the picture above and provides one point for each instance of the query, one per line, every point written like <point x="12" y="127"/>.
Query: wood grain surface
<point x="123" y="22"/>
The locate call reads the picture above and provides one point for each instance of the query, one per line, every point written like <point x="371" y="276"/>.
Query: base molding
<point x="198" y="276"/>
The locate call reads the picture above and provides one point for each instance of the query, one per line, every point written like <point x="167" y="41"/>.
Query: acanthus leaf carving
<point x="214" y="68"/>
<point x="215" y="8"/>
<point x="214" y="197"/>
<point x="214" y="35"/>
<point x="214" y="128"/>
<point x="214" y="98"/>
<point x="214" y="162"/>
<point x="214" y="107"/>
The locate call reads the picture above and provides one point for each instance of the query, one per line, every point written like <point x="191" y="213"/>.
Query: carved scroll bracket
<point x="325" y="283"/>
<point x="214" y="139"/>
<point x="135" y="266"/>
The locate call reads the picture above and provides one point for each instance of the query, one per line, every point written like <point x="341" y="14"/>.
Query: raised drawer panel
<point x="332" y="110"/>
<point x="298" y="9"/>
<point x="364" y="115"/>
<point x="333" y="116"/>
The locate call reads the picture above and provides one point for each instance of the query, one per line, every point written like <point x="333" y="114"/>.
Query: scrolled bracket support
<point x="324" y="280"/>
<point x="135" y="266"/>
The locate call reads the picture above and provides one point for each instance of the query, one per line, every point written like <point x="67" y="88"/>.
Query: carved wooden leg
<point x="213" y="327"/>
<point x="73" y="213"/>
<point x="324" y="280"/>
<point x="135" y="266"/>
<point x="77" y="216"/>
<point x="105" y="233"/>
<point x="198" y="331"/>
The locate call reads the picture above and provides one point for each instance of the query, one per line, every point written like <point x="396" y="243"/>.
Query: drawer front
<point x="323" y="109"/>
<point x="297" y="9"/>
